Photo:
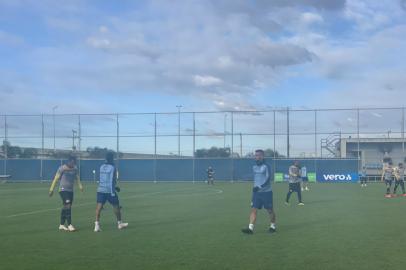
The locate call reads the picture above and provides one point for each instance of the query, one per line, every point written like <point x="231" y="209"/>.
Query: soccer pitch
<point x="195" y="226"/>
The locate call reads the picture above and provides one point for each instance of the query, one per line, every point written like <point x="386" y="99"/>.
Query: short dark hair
<point x="260" y="151"/>
<point x="72" y="158"/>
<point x="110" y="157"/>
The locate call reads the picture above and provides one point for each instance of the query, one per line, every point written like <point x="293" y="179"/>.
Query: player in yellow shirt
<point x="399" y="173"/>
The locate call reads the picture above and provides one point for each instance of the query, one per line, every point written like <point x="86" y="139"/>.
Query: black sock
<point x="288" y="196"/>
<point x="69" y="216"/>
<point x="63" y="216"/>
<point x="299" y="195"/>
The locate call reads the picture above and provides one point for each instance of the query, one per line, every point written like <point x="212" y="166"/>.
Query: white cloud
<point x="206" y="80"/>
<point x="311" y="18"/>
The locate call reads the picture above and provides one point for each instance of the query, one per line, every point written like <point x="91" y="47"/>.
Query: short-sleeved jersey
<point x="294" y="174"/>
<point x="107" y="181"/>
<point x="261" y="176"/>
<point x="210" y="173"/>
<point x="388" y="172"/>
<point x="400" y="173"/>
<point x="68" y="176"/>
<point x="303" y="172"/>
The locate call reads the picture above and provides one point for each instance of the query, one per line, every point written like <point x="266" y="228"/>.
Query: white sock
<point x="251" y="226"/>
<point x="96" y="223"/>
<point x="119" y="222"/>
<point x="273" y="225"/>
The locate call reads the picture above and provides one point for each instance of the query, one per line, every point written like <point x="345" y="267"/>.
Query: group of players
<point x="262" y="195"/>
<point x="107" y="190"/>
<point x="392" y="174"/>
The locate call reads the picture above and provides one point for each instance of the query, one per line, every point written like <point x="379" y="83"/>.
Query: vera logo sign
<point x="337" y="177"/>
<point x="345" y="177"/>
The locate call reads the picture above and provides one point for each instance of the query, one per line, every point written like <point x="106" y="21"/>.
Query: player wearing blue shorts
<point x="107" y="191"/>
<point x="305" y="178"/>
<point x="262" y="196"/>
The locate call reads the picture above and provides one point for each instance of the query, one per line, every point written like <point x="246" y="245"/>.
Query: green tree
<point x="213" y="152"/>
<point x="29" y="153"/>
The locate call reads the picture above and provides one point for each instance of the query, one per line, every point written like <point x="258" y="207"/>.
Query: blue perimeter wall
<point x="172" y="169"/>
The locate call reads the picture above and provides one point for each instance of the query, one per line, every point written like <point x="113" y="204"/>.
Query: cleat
<point x="63" y="228"/>
<point x="404" y="195"/>
<point x="307" y="189"/>
<point x="300" y="204"/>
<point x="302" y="189"/>
<point x="122" y="226"/>
<point x="393" y="195"/>
<point x="97" y="228"/>
<point x="247" y="231"/>
<point x="272" y="230"/>
<point x="287" y="203"/>
<point x="388" y="196"/>
<point x="71" y="228"/>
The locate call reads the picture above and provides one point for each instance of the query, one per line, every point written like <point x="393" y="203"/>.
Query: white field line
<point x="217" y="191"/>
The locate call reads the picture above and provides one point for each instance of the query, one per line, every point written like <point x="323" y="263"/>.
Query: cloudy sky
<point x="149" y="56"/>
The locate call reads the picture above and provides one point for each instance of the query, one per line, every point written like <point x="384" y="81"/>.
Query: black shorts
<point x="66" y="196"/>
<point x="294" y="187"/>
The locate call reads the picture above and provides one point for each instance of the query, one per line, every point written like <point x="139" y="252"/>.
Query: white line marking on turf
<point x="217" y="191"/>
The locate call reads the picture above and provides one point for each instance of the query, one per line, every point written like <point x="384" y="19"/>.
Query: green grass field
<point x="194" y="226"/>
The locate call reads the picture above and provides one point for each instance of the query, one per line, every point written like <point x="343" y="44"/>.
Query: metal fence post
<point x="5" y="143"/>
<point x="287" y="133"/>
<point x="155" y="148"/>
<point x="118" y="142"/>
<point x="194" y="147"/>
<point x="403" y="129"/>
<point x="42" y="147"/>
<point x="79" y="142"/>
<point x="358" y="138"/>
<point x="232" y="146"/>
<point x="315" y="133"/>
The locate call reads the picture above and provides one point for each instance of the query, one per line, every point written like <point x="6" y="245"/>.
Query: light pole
<point x="73" y="139"/>
<point x="53" y="123"/>
<point x="179" y="107"/>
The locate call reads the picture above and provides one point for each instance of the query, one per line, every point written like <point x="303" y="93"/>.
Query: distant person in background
<point x="107" y="191"/>
<point x="294" y="183"/>
<point x="210" y="176"/>
<point x="68" y="174"/>
<point x="386" y="159"/>
<point x="399" y="179"/>
<point x="364" y="177"/>
<point x="387" y="176"/>
<point x="305" y="178"/>
<point x="262" y="195"/>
